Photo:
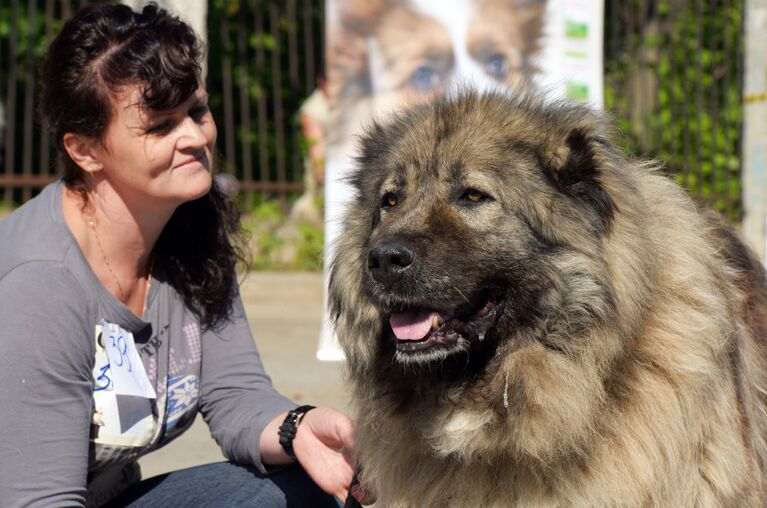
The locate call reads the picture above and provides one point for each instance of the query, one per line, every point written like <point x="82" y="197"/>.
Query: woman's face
<point x="150" y="156"/>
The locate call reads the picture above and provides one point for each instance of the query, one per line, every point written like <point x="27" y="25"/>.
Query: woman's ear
<point x="83" y="150"/>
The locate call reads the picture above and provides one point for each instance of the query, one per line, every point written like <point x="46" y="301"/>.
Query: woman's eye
<point x="160" y="128"/>
<point x="390" y="200"/>
<point x="198" y="112"/>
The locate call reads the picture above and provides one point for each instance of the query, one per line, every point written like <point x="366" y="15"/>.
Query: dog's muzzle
<point x="388" y="262"/>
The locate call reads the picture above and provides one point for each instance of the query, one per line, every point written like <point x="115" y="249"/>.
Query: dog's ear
<point x="574" y="168"/>
<point x="375" y="145"/>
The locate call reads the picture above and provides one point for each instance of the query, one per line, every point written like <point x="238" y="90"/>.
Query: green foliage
<point x="280" y="243"/>
<point x="268" y="211"/>
<point x="252" y="41"/>
<point x="27" y="36"/>
<point x="310" y="249"/>
<point x="685" y="56"/>
<point x="22" y="46"/>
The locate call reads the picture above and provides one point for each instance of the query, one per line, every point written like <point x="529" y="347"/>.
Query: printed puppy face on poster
<point x="385" y="55"/>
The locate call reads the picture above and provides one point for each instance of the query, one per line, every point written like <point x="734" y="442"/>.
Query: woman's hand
<point x="324" y="445"/>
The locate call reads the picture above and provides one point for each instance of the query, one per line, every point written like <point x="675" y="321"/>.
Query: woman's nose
<point x="193" y="134"/>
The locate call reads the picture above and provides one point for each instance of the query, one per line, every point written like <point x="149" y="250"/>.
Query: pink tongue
<point x="412" y="325"/>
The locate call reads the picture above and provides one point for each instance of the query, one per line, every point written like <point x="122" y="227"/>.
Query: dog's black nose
<point x="388" y="261"/>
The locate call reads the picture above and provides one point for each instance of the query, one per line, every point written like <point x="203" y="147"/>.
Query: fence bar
<point x="675" y="101"/>
<point x="226" y="77"/>
<point x="263" y="153"/>
<point x="244" y="87"/>
<point x="272" y="187"/>
<point x="700" y="187"/>
<point x="642" y="99"/>
<point x="739" y="72"/>
<point x="628" y="48"/>
<point x="309" y="47"/>
<point x="724" y="98"/>
<point x="7" y="123"/>
<point x="45" y="136"/>
<point x="685" y="100"/>
<point x="292" y="44"/>
<point x="717" y="171"/>
<point x="10" y="108"/>
<point x="662" y="39"/>
<point x="322" y="29"/>
<point x="279" y="123"/>
<point x="295" y="151"/>
<point x="11" y="181"/>
<point x="29" y="117"/>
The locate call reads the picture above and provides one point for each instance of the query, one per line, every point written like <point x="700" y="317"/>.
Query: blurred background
<point x="673" y="79"/>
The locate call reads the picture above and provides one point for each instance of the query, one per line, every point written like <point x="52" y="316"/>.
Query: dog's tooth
<point x="435" y="321"/>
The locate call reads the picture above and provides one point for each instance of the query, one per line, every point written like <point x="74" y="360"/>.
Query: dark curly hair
<point x="99" y="50"/>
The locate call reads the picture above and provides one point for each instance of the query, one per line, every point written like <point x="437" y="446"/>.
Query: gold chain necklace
<point x="91" y="212"/>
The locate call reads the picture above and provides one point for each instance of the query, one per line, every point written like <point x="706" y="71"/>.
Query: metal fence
<point x="264" y="58"/>
<point x="672" y="79"/>
<point x="270" y="54"/>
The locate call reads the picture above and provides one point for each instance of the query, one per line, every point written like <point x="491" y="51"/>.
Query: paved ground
<point x="285" y="311"/>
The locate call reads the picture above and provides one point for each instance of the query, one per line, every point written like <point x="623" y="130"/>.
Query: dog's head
<point x="478" y="223"/>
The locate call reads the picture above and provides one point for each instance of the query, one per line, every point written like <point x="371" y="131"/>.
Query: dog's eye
<point x="424" y="78"/>
<point x="473" y="196"/>
<point x="390" y="199"/>
<point x="497" y="66"/>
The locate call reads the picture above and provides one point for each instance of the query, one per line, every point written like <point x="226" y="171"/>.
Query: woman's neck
<point x="117" y="240"/>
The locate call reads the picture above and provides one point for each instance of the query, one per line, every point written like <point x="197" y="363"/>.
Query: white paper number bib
<point x="121" y="390"/>
<point x="124" y="370"/>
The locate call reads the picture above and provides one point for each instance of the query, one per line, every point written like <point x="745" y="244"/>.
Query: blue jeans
<point x="227" y="485"/>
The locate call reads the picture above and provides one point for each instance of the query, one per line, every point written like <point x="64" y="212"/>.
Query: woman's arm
<point x="237" y="396"/>
<point x="45" y="381"/>
<point x="244" y="412"/>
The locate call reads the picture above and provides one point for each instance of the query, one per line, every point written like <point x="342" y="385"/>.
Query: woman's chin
<point x="195" y="186"/>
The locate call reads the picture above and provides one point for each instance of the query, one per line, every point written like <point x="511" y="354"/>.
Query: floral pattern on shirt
<point x="183" y="396"/>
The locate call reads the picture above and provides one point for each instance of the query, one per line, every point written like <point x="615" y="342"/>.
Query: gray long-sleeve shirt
<point x="67" y="438"/>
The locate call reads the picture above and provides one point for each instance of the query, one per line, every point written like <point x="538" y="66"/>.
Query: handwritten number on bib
<point x="103" y="382"/>
<point x="118" y="365"/>
<point x="120" y="348"/>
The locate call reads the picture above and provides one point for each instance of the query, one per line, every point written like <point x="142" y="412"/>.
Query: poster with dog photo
<point x="385" y="55"/>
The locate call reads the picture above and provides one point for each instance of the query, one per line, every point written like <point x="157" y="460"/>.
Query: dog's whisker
<point x="506" y="392"/>
<point x="462" y="295"/>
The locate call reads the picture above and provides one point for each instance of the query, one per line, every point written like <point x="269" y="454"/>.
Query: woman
<point x="120" y="313"/>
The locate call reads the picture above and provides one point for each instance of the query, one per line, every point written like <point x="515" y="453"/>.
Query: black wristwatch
<point x="289" y="427"/>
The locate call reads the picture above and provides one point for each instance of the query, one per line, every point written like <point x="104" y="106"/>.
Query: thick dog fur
<point x="623" y="363"/>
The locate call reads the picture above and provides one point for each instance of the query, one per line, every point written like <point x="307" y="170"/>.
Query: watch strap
<point x="289" y="428"/>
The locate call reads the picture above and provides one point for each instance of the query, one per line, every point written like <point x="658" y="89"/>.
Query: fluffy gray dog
<point x="532" y="319"/>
